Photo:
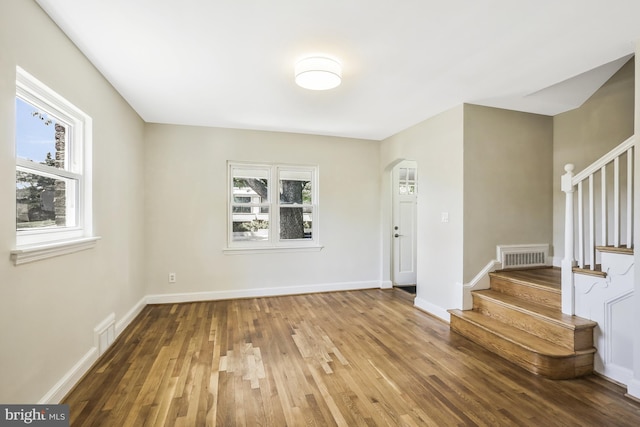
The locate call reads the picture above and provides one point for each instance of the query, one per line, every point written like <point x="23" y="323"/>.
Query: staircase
<point x="519" y="318"/>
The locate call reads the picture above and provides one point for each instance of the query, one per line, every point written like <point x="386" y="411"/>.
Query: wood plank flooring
<point x="360" y="358"/>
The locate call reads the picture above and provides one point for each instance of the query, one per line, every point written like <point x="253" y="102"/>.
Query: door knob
<point x="396" y="235"/>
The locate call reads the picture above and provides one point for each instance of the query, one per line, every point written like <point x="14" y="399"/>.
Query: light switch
<point x="445" y="216"/>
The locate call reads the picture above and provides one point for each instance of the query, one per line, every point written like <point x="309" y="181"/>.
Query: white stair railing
<point x="600" y="211"/>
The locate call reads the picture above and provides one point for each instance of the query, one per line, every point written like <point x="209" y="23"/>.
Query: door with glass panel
<point x="405" y="193"/>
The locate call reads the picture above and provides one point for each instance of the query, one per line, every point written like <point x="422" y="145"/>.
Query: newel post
<point x="568" y="300"/>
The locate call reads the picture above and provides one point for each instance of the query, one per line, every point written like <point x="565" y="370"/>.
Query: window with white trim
<point x="53" y="166"/>
<point x="272" y="206"/>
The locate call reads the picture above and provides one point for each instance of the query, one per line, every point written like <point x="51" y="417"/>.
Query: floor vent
<point x="104" y="333"/>
<point x="519" y="256"/>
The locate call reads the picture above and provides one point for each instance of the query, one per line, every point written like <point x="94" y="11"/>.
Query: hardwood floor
<point x="360" y="358"/>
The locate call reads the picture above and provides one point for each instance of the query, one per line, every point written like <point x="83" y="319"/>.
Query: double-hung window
<point x="53" y="179"/>
<point x="272" y="206"/>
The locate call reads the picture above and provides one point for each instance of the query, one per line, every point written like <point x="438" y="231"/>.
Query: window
<point x="272" y="206"/>
<point x="407" y="181"/>
<point x="53" y="180"/>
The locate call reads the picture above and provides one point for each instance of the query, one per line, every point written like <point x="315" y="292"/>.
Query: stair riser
<point x="550" y="367"/>
<point x="549" y="297"/>
<point x="570" y="338"/>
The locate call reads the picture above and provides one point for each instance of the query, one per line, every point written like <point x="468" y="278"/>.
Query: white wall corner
<point x="386" y="284"/>
<point x="69" y="380"/>
<point x="130" y="315"/>
<point x="432" y="309"/>
<point x="481" y="281"/>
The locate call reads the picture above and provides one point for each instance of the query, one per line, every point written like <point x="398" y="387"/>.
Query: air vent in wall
<point x="520" y="256"/>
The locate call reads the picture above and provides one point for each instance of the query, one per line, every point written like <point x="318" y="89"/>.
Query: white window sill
<point x="37" y="252"/>
<point x="271" y="250"/>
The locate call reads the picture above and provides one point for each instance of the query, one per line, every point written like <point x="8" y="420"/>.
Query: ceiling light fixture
<point x="318" y="73"/>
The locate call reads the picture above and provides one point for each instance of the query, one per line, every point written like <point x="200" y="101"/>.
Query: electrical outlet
<point x="172" y="277"/>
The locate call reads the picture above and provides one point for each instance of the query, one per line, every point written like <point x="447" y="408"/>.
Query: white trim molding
<point x="633" y="388"/>
<point x="69" y="380"/>
<point x="130" y="315"/>
<point x="481" y="281"/>
<point x="259" y="292"/>
<point x="432" y="309"/>
<point x="386" y="284"/>
<point x="31" y="253"/>
<point x="270" y="250"/>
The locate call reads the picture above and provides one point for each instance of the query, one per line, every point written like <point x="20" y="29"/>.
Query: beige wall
<point x="476" y="164"/>
<point x="48" y="309"/>
<point x="507" y="182"/>
<point x="583" y="135"/>
<point x="186" y="212"/>
<point x="437" y="145"/>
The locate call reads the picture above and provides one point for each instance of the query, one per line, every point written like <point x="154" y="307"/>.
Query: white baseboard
<point x="481" y="281"/>
<point x="633" y="388"/>
<point x="130" y="315"/>
<point x="386" y="284"/>
<point x="432" y="309"/>
<point x="618" y="374"/>
<point x="259" y="292"/>
<point x="69" y="380"/>
<point x="66" y="383"/>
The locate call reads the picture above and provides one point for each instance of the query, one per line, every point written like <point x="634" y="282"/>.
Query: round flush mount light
<point x="318" y="73"/>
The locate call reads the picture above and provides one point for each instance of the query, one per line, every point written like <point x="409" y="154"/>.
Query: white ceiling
<point x="229" y="63"/>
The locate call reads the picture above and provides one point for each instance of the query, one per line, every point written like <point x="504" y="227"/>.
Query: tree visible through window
<point x="295" y="204"/>
<point x="263" y="196"/>
<point x="40" y="194"/>
<point x="53" y="141"/>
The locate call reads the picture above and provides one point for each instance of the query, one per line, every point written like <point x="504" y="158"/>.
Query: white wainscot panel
<point x="608" y="301"/>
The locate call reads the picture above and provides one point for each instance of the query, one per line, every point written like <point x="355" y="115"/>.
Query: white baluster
<point x="616" y="202"/>
<point x="568" y="306"/>
<point x="604" y="223"/>
<point x="592" y="224"/>
<point x="580" y="227"/>
<point x="630" y="197"/>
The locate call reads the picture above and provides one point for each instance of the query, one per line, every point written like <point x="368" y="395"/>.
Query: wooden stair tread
<point x="622" y="249"/>
<point x="544" y="278"/>
<point x="588" y="271"/>
<point x="516" y="336"/>
<point x="542" y="311"/>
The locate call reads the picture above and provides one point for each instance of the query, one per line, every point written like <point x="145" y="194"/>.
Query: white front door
<point x="404" y="235"/>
